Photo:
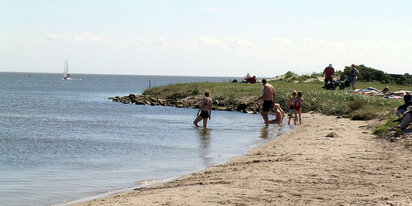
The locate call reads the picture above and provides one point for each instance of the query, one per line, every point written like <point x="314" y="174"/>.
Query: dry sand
<point x="302" y="167"/>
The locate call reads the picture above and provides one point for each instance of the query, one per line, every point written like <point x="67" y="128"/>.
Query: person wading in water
<point x="268" y="97"/>
<point x="205" y="110"/>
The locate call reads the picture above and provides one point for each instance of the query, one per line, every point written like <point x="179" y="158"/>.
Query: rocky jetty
<point x="245" y="106"/>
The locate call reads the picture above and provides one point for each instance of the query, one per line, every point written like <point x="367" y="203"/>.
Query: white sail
<point x="66" y="74"/>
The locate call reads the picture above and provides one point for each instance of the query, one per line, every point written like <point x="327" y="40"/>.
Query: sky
<point x="204" y="38"/>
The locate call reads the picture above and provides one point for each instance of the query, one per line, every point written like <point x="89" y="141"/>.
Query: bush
<point x="369" y="74"/>
<point x="196" y="91"/>
<point x="355" y="105"/>
<point x="363" y="115"/>
<point x="289" y="75"/>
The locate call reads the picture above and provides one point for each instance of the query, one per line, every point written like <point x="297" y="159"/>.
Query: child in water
<point x="291" y="104"/>
<point x="298" y="108"/>
<point x="279" y="115"/>
<point x="205" y="110"/>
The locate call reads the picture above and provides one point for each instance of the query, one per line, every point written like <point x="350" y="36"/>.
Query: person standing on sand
<point x="329" y="73"/>
<point x="291" y="104"/>
<point x="298" y="108"/>
<point x="268" y="97"/>
<point x="205" y="110"/>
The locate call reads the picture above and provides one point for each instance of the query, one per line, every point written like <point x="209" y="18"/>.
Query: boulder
<point x="242" y="106"/>
<point x="139" y="102"/>
<point x="332" y="135"/>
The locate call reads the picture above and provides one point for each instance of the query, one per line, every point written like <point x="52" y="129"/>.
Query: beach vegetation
<point x="368" y="74"/>
<point x="380" y="130"/>
<point x="293" y="77"/>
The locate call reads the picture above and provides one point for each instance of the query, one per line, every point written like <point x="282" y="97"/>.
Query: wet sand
<point x="302" y="167"/>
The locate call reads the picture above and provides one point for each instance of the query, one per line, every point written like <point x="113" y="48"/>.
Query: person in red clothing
<point x="329" y="73"/>
<point x="251" y="80"/>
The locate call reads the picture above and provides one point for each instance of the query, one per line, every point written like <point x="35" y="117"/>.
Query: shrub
<point x="362" y="115"/>
<point x="195" y="91"/>
<point x="289" y="74"/>
<point x="356" y="105"/>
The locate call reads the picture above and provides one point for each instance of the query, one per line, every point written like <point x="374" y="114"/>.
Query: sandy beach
<point x="302" y="167"/>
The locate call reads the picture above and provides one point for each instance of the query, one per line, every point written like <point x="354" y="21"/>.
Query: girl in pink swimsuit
<point x="298" y="108"/>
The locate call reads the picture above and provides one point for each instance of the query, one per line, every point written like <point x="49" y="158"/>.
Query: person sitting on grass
<point x="291" y="104"/>
<point x="407" y="119"/>
<point x="205" y="110"/>
<point x="279" y="115"/>
<point x="251" y="80"/>
<point x="298" y="108"/>
<point x="408" y="101"/>
<point x="385" y="90"/>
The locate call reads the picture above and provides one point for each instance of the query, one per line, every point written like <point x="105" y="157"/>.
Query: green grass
<point x="390" y="123"/>
<point x="219" y="90"/>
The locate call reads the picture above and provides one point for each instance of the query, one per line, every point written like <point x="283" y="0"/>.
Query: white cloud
<point x="280" y="40"/>
<point x="85" y="37"/>
<point x="233" y="42"/>
<point x="81" y="38"/>
<point x="238" y="42"/>
<point x="207" y="41"/>
<point x="332" y="45"/>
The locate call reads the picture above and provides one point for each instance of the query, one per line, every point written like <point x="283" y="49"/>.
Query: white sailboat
<point x="66" y="74"/>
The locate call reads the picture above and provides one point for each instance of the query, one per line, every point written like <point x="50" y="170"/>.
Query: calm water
<point x="64" y="140"/>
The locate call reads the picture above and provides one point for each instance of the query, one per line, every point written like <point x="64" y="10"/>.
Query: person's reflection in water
<point x="264" y="132"/>
<point x="204" y="136"/>
<point x="268" y="132"/>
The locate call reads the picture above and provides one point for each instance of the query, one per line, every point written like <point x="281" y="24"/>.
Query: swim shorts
<point x="267" y="105"/>
<point x="291" y="109"/>
<point x="204" y="114"/>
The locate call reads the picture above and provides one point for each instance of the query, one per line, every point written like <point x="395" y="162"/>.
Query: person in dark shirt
<point x="407" y="119"/>
<point x="408" y="102"/>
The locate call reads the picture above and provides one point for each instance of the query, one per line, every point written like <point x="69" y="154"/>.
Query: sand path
<point x="303" y="167"/>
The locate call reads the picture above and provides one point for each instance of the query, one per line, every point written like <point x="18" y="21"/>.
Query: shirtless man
<point x="205" y="110"/>
<point x="269" y="97"/>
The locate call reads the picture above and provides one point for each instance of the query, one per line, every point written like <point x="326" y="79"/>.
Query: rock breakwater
<point x="244" y="105"/>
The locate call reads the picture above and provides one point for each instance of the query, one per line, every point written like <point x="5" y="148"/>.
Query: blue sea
<point x="63" y="140"/>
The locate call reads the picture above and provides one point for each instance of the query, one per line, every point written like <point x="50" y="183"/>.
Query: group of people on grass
<point x="329" y="74"/>
<point x="295" y="104"/>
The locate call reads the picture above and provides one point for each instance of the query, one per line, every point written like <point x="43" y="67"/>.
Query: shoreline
<point x="158" y="181"/>
<point x="302" y="166"/>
